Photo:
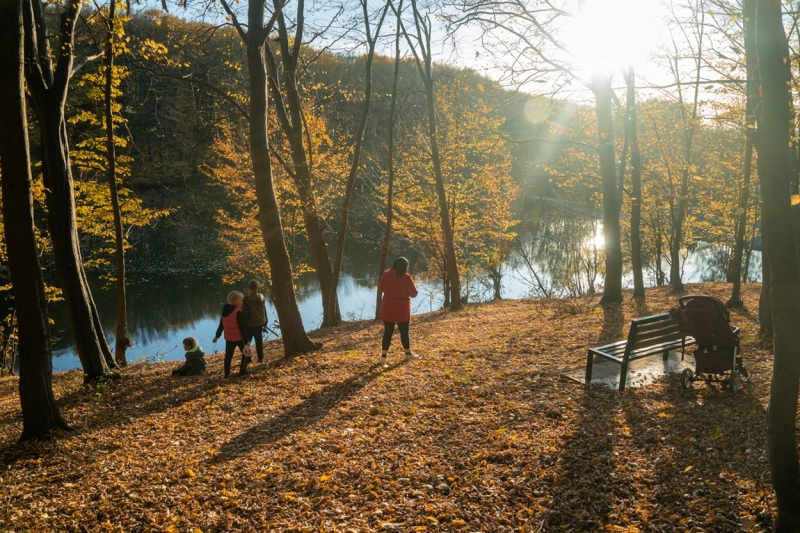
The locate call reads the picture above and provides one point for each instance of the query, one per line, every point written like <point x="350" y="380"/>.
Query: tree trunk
<point x="331" y="314"/>
<point x="690" y="126"/>
<point x="775" y="172"/>
<point x="387" y="233"/>
<point x="735" y="299"/>
<point x="424" y="68"/>
<point x="659" y="248"/>
<point x="751" y="60"/>
<point x="612" y="195"/>
<point x="447" y="228"/>
<point x="293" y="127"/>
<point x="48" y="93"/>
<point x="122" y="340"/>
<point x="636" y="187"/>
<point x="295" y="338"/>
<point x="90" y="340"/>
<point x="765" y="329"/>
<point x="677" y="236"/>
<point x="40" y="413"/>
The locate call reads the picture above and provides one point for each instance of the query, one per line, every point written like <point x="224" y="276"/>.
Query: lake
<point x="164" y="309"/>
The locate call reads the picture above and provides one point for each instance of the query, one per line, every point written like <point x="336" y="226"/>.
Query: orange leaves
<point x="518" y="449"/>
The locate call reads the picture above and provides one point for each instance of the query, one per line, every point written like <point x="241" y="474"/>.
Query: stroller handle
<point x="718" y="305"/>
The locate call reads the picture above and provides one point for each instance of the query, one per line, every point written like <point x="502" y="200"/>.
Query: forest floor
<point x="480" y="434"/>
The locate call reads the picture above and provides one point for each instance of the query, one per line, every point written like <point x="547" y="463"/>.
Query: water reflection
<point x="163" y="310"/>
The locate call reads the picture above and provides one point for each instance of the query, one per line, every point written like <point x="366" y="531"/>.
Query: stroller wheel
<point x="735" y="381"/>
<point x="687" y="378"/>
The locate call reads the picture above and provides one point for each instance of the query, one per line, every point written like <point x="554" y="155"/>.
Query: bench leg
<point x="665" y="355"/>
<point x="623" y="374"/>
<point x="589" y="361"/>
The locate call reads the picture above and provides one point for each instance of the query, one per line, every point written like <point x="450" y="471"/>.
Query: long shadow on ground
<point x="306" y="413"/>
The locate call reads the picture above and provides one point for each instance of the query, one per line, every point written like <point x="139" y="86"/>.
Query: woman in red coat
<point x="398" y="288"/>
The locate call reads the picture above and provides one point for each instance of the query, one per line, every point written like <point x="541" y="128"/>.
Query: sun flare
<point x="610" y="34"/>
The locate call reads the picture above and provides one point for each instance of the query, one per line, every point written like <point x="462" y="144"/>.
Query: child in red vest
<point x="232" y="323"/>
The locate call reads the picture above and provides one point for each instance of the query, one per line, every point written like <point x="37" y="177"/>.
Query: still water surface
<point x="163" y="310"/>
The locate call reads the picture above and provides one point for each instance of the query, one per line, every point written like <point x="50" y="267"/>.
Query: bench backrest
<point x="653" y="330"/>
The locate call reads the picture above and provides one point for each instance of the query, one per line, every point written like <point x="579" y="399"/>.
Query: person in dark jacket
<point x="232" y="323"/>
<point x="254" y="309"/>
<point x="195" y="359"/>
<point x="398" y="288"/>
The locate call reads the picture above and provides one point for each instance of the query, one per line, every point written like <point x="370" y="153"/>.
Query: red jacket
<point x="397" y="293"/>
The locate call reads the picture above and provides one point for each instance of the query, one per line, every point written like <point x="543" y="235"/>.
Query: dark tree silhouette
<point x="40" y="414"/>
<point x="775" y="166"/>
<point x="48" y="87"/>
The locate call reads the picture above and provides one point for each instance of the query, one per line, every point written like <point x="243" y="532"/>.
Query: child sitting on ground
<point x="195" y="359"/>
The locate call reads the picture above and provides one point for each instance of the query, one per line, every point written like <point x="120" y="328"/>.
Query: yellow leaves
<point x="795" y="199"/>
<point x="480" y="87"/>
<point x="666" y="415"/>
<point x="688" y="468"/>
<point x="190" y="473"/>
<point x="524" y="513"/>
<point x="256" y="458"/>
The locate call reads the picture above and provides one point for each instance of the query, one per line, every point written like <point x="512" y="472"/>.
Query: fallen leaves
<point x="481" y="434"/>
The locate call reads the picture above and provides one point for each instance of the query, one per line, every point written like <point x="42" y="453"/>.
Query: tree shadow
<point x="306" y="413"/>
<point x="672" y="454"/>
<point x="613" y="324"/>
<point x="587" y="464"/>
<point x="640" y="304"/>
<point x="705" y="449"/>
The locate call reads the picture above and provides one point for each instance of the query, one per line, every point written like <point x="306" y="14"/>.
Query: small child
<point x="195" y="359"/>
<point x="232" y="323"/>
<point x="255" y="311"/>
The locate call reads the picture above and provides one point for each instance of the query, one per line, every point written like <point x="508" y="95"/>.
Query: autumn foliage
<point x="480" y="434"/>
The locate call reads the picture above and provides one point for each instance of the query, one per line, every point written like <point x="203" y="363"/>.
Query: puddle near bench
<point x="640" y="372"/>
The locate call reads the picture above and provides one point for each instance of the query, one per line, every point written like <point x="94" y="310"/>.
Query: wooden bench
<point x="650" y="335"/>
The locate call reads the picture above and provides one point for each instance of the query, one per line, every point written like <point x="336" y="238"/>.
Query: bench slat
<point x="659" y="348"/>
<point x="653" y="341"/>
<point x="639" y="322"/>
<point x="613" y="347"/>
<point x="647" y="340"/>
<point x="655" y="333"/>
<point x="655" y="326"/>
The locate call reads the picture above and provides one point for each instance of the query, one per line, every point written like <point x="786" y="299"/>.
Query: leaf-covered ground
<point x="480" y="434"/>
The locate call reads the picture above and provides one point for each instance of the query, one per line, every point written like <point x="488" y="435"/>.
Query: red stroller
<point x="718" y="357"/>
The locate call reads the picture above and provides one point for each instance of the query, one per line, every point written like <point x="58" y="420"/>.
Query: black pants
<point x="388" y="331"/>
<point x="230" y="346"/>
<point x="249" y="333"/>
